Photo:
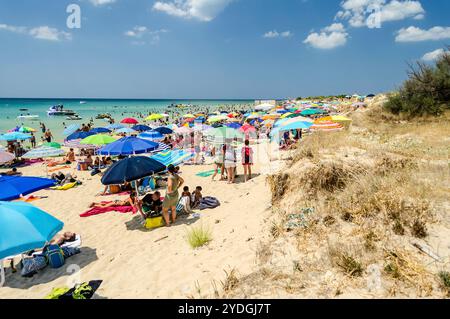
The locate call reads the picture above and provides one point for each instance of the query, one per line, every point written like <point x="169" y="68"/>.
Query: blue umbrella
<point x="163" y="130"/>
<point x="71" y="129"/>
<point x="126" y="130"/>
<point x="236" y="126"/>
<point x="141" y="128"/>
<point x="99" y="130"/>
<point x="79" y="135"/>
<point x="25" y="227"/>
<point x="128" y="146"/>
<point x="115" y="126"/>
<point x="131" y="169"/>
<point x="14" y="136"/>
<point x="151" y="135"/>
<point x="11" y="187"/>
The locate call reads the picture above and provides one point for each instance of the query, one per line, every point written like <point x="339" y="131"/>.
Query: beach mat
<point x="98" y="210"/>
<point x="207" y="173"/>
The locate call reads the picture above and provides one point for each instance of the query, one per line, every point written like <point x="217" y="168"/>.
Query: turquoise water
<point x="119" y="109"/>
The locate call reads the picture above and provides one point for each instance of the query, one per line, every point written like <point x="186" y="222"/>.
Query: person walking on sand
<point x="247" y="160"/>
<point x="230" y="163"/>
<point x="174" y="182"/>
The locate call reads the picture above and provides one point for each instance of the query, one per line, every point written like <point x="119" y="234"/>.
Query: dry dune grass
<point x="371" y="191"/>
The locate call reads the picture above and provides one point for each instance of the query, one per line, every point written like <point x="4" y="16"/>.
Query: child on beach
<point x="196" y="197"/>
<point x="247" y="160"/>
<point x="185" y="203"/>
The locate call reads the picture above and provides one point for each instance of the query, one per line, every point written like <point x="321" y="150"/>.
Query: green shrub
<point x="198" y="237"/>
<point x="426" y="92"/>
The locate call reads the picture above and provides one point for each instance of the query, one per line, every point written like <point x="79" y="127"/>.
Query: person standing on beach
<point x="230" y="163"/>
<point x="48" y="136"/>
<point x="174" y="182"/>
<point x="33" y="140"/>
<point x="247" y="160"/>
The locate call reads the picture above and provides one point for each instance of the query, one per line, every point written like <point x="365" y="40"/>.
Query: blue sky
<point x="215" y="48"/>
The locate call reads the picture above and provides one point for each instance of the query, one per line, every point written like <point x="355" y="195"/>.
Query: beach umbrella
<point x="286" y="115"/>
<point x="79" y="136"/>
<point x="24" y="227"/>
<point x="173" y="157"/>
<point x="151" y="135"/>
<point x="115" y="126"/>
<point x="99" y="130"/>
<point x="126" y="130"/>
<point x="12" y="187"/>
<point x="43" y="152"/>
<point x="25" y="129"/>
<point x="71" y="129"/>
<point x="141" y="128"/>
<point x="128" y="146"/>
<point x="129" y="120"/>
<point x="52" y="144"/>
<point x="131" y="169"/>
<point x="189" y="116"/>
<point x="295" y="126"/>
<point x="236" y="126"/>
<point x="154" y="117"/>
<point x="183" y="130"/>
<point x="221" y="134"/>
<point x="264" y="107"/>
<point x="247" y="128"/>
<point x="76" y="144"/>
<point x="311" y="112"/>
<point x="163" y="130"/>
<point x="14" y="136"/>
<point x="202" y="128"/>
<point x="6" y="157"/>
<point x="99" y="139"/>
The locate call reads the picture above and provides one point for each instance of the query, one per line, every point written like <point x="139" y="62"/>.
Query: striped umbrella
<point x="43" y="152"/>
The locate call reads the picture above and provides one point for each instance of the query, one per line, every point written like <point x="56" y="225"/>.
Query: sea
<point x="87" y="109"/>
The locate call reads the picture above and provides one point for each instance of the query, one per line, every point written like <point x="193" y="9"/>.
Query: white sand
<point x="117" y="250"/>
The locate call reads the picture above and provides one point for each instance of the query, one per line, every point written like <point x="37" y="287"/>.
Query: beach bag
<point x="154" y="222"/>
<point x="55" y="256"/>
<point x="208" y="202"/>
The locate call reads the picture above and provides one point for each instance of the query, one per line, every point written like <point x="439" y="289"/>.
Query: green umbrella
<point x="53" y="144"/>
<point x="221" y="134"/>
<point x="99" y="139"/>
<point x="312" y="112"/>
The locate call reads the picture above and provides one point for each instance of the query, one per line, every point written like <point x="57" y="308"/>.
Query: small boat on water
<point x="82" y="102"/>
<point x="75" y="117"/>
<point x="58" y="110"/>
<point x="23" y="110"/>
<point x="28" y="117"/>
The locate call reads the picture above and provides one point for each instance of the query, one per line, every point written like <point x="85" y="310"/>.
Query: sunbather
<point x="132" y="200"/>
<point x="67" y="237"/>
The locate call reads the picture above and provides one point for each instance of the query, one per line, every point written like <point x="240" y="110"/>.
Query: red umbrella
<point x="247" y="128"/>
<point x="129" y="120"/>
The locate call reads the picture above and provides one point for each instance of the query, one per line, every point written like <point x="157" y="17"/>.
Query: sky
<point x="214" y="49"/>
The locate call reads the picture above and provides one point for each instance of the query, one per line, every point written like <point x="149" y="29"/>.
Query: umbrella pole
<point x="2" y="273"/>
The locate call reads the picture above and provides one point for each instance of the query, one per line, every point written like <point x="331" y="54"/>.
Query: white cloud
<point x="203" y="10"/>
<point x="50" y="34"/>
<point x="373" y="13"/>
<point x="330" y="37"/>
<point x="138" y="32"/>
<point x="434" y="55"/>
<point x="99" y="3"/>
<point x="276" y="34"/>
<point x="414" y="34"/>
<point x="41" y="32"/>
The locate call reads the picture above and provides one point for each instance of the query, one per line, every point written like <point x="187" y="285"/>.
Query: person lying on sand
<point x="12" y="172"/>
<point x="132" y="200"/>
<point x="67" y="237"/>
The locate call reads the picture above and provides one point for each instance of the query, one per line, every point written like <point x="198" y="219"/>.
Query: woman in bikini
<point x="132" y="200"/>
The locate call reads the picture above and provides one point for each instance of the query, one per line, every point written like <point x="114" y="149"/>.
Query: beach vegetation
<point x="198" y="236"/>
<point x="426" y="91"/>
<point x="444" y="276"/>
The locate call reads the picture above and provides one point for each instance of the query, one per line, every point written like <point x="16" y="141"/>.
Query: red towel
<point x="97" y="210"/>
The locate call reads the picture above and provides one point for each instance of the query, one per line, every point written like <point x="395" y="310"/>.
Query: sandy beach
<point x="138" y="263"/>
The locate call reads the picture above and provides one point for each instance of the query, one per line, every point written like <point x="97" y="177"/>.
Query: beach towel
<point x="207" y="173"/>
<point x="101" y="210"/>
<point x="208" y="202"/>
<point x="84" y="291"/>
<point x="31" y="198"/>
<point x="65" y="187"/>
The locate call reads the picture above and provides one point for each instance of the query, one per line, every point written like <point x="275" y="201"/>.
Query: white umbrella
<point x="43" y="151"/>
<point x="6" y="157"/>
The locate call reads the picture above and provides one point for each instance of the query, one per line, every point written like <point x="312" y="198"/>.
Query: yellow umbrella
<point x="189" y="116"/>
<point x="286" y="115"/>
<point x="154" y="117"/>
